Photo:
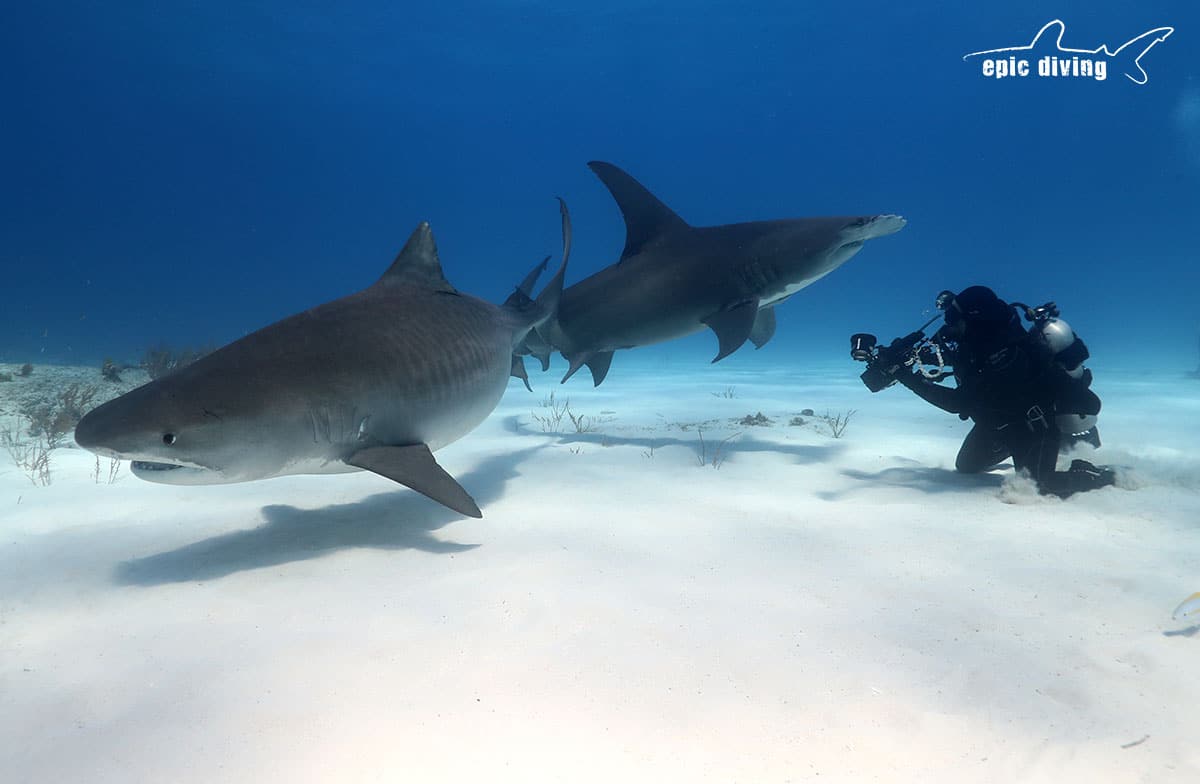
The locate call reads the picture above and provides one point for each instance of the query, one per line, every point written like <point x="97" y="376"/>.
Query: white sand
<point x="844" y="607"/>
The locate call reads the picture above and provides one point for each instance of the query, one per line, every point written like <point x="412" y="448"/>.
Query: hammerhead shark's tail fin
<point x="547" y="301"/>
<point x="535" y="313"/>
<point x="1128" y="58"/>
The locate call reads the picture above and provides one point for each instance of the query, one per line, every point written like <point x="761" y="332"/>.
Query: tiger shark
<point x="376" y="381"/>
<point x="674" y="279"/>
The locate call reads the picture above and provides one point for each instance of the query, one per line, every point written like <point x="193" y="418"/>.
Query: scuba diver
<point x="1026" y="391"/>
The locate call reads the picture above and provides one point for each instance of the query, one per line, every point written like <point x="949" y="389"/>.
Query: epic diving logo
<point x="1051" y="59"/>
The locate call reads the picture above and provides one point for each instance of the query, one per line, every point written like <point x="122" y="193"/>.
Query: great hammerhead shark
<point x="377" y="380"/>
<point x="674" y="279"/>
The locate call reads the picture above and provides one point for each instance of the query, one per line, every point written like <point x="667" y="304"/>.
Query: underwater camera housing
<point x="883" y="361"/>
<point x="862" y="346"/>
<point x="913" y="349"/>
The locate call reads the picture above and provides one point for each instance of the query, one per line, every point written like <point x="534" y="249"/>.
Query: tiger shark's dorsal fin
<point x="646" y="218"/>
<point x="417" y="263"/>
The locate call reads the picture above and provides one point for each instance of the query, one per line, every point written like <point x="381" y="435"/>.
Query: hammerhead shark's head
<point x="377" y="380"/>
<point x="674" y="279"/>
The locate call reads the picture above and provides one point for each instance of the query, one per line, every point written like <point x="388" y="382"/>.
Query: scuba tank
<point x="1069" y="353"/>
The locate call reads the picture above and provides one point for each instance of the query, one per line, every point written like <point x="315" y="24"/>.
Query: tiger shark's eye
<point x="168" y="438"/>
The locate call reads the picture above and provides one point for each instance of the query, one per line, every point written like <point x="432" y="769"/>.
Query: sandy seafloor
<point x="814" y="609"/>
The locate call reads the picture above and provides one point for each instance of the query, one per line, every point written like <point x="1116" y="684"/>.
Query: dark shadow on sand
<point x="927" y="479"/>
<point x="396" y="520"/>
<point x="804" y="454"/>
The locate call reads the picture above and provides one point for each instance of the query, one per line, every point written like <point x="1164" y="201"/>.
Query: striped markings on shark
<point x="377" y="380"/>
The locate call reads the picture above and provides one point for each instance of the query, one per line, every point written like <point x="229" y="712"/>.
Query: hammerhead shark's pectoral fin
<point x="518" y="370"/>
<point x="414" y="467"/>
<point x="764" y="327"/>
<point x="732" y="327"/>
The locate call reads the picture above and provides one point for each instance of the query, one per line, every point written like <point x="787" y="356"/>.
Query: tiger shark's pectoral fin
<point x="518" y="370"/>
<point x="732" y="327"/>
<point x="764" y="327"/>
<point x="414" y="467"/>
<point x="597" y="361"/>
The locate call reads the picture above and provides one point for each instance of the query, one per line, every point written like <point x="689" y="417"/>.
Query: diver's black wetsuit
<point x="1011" y="387"/>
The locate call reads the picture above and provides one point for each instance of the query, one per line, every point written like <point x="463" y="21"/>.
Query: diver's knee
<point x="971" y="464"/>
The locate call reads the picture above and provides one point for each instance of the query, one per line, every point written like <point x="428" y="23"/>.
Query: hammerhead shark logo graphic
<point x="1046" y="47"/>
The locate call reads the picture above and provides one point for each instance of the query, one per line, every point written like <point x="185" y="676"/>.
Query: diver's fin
<point x="645" y="216"/>
<point x="414" y="467"/>
<point x="418" y="264"/>
<point x="599" y="364"/>
<point x="764" y="326"/>
<point x="518" y="370"/>
<point x="732" y="327"/>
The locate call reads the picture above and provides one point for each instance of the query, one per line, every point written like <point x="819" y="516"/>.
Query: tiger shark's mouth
<point x="144" y="465"/>
<point x="172" y="473"/>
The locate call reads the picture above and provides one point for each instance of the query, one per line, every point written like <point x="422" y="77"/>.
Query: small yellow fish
<point x="1188" y="610"/>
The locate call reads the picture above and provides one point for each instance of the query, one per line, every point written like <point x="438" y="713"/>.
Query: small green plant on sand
<point x="553" y="412"/>
<point x="30" y="453"/>
<point x="713" y="453"/>
<point x="837" y="421"/>
<point x="108" y="472"/>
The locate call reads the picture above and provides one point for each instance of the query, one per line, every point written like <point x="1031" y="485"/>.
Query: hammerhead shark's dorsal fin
<point x="414" y="467"/>
<point x="645" y="216"/>
<point x="417" y="263"/>
<point x="733" y="327"/>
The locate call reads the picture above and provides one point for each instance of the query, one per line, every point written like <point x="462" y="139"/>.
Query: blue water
<point x="191" y="172"/>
